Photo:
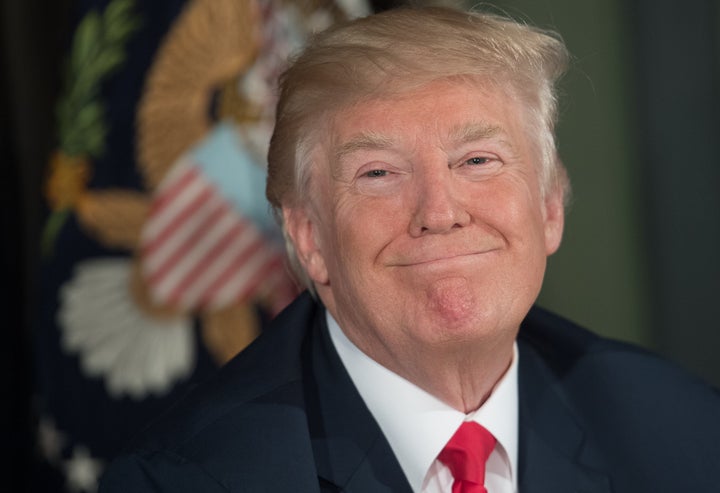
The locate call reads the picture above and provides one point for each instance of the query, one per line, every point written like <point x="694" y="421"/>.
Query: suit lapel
<point x="555" y="453"/>
<point x="351" y="453"/>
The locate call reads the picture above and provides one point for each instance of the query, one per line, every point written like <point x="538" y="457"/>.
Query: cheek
<point x="365" y="227"/>
<point x="513" y="208"/>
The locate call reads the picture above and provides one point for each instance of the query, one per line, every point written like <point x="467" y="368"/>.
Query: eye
<point x="478" y="165"/>
<point x="376" y="173"/>
<point x="477" y="160"/>
<point x="378" y="182"/>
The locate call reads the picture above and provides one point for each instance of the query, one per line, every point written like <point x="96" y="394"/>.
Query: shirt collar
<point x="418" y="425"/>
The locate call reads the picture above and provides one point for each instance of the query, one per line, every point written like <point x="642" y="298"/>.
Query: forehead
<point x="446" y="112"/>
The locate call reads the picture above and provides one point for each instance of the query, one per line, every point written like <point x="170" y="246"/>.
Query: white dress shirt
<point x="418" y="425"/>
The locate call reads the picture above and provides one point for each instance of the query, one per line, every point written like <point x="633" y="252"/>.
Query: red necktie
<point x="465" y="455"/>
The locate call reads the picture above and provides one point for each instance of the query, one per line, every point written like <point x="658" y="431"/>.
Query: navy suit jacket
<point x="284" y="416"/>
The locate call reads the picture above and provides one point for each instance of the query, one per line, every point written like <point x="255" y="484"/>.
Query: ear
<point x="554" y="219"/>
<point x="303" y="232"/>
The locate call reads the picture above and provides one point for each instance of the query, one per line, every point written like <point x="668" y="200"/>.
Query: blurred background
<point x="138" y="255"/>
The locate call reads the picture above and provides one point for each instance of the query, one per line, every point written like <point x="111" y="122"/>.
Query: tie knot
<point x="467" y="452"/>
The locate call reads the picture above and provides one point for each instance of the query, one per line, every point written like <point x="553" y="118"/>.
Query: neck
<point x="463" y="379"/>
<point x="461" y="371"/>
<point x="463" y="375"/>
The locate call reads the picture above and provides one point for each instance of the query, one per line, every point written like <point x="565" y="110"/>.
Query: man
<point x="414" y="171"/>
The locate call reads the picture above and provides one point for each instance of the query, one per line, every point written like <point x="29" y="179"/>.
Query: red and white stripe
<point x="198" y="252"/>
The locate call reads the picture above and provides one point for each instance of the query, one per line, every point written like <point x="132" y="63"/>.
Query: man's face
<point x="426" y="230"/>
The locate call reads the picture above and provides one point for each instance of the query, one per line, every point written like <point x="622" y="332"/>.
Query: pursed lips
<point x="437" y="259"/>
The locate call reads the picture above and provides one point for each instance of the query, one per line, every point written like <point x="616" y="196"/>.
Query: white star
<point x="82" y="471"/>
<point x="50" y="440"/>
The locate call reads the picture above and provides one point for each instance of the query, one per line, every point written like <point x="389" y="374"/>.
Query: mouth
<point x="449" y="259"/>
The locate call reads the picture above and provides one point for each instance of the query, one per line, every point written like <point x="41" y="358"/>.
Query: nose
<point x="438" y="205"/>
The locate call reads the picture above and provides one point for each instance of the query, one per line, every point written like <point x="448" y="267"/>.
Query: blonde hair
<point x="396" y="51"/>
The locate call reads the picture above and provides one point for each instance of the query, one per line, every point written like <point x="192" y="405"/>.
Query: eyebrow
<point x="477" y="131"/>
<point x="460" y="134"/>
<point x="363" y="141"/>
<point x="471" y="132"/>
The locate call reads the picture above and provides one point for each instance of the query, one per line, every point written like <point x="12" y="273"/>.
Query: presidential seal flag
<point x="161" y="260"/>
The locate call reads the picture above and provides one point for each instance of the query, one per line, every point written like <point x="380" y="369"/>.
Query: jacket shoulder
<point x="267" y="370"/>
<point x="216" y="432"/>
<point x="652" y="420"/>
<point x="566" y="347"/>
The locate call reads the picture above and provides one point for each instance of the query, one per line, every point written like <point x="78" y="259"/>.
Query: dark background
<point x="33" y="37"/>
<point x="639" y="133"/>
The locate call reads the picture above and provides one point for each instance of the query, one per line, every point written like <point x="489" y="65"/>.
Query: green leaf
<point x="98" y="50"/>
<point x="85" y="86"/>
<point x="118" y="10"/>
<point x="89" y="116"/>
<point x="119" y="21"/>
<point x="86" y="133"/>
<point x="86" y="42"/>
<point x="94" y="140"/>
<point x="108" y="61"/>
<point x="73" y="142"/>
<point x="119" y="32"/>
<point x="52" y="228"/>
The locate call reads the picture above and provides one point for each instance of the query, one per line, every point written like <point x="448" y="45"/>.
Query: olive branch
<point x="98" y="50"/>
